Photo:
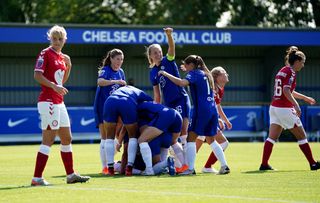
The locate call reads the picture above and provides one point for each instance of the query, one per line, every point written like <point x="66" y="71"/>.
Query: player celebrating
<point x="205" y="116"/>
<point x="111" y="77"/>
<point x="157" y="119"/>
<point x="51" y="72"/>
<point x="285" y="111"/>
<point x="220" y="77"/>
<point x="174" y="96"/>
<point x="123" y="103"/>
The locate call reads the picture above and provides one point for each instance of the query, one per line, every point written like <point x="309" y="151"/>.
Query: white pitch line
<point x="178" y="193"/>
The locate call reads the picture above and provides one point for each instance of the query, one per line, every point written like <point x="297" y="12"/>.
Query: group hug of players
<point x="149" y="128"/>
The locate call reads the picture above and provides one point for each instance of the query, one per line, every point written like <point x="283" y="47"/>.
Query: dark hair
<point x="296" y="56"/>
<point x="199" y="64"/>
<point x="107" y="59"/>
<point x="288" y="51"/>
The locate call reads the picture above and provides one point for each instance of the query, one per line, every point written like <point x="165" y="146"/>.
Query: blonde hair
<point x="148" y="52"/>
<point x="57" y="31"/>
<point x="216" y="71"/>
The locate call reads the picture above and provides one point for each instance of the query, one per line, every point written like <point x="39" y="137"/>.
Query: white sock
<point x="132" y="150"/>
<point x="163" y="154"/>
<point x="146" y="154"/>
<point x="44" y="149"/>
<point x="109" y="147"/>
<point x="217" y="150"/>
<point x="177" y="148"/>
<point x="224" y="145"/>
<point x="103" y="156"/>
<point x="191" y="154"/>
<point x="159" y="167"/>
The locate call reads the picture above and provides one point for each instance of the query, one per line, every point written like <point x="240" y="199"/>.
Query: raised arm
<point x="171" y="49"/>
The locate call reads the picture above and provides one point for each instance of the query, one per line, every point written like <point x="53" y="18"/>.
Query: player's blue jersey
<point x="134" y="94"/>
<point x="170" y="91"/>
<point x="159" y="116"/>
<point x="102" y="93"/>
<point x="201" y="92"/>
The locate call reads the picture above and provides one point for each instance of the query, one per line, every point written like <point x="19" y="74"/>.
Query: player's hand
<point x="162" y="72"/>
<point x="183" y="68"/>
<point x="122" y="82"/>
<point x="60" y="89"/>
<point x="168" y="30"/>
<point x="221" y="124"/>
<point x="310" y="100"/>
<point x="229" y="124"/>
<point x="298" y="110"/>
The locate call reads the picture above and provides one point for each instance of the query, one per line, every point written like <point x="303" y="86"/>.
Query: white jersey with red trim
<point x="286" y="77"/>
<point x="53" y="67"/>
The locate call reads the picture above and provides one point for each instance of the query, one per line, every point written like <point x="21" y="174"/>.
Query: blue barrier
<point x="20" y="124"/>
<point x="23" y="124"/>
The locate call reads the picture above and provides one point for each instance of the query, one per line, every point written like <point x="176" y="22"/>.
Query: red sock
<point x="305" y="148"/>
<point x="67" y="162"/>
<point x="267" y="150"/>
<point x="41" y="162"/>
<point x="211" y="160"/>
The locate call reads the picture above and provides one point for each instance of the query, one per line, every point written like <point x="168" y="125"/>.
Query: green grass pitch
<point x="292" y="182"/>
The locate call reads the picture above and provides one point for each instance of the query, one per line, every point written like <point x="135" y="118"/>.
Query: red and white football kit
<point x="281" y="109"/>
<point x="50" y="103"/>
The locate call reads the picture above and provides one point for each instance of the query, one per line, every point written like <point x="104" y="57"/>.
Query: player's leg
<point x="212" y="159"/>
<point x="274" y="133"/>
<point x="50" y="121"/>
<point x="191" y="153"/>
<point x="65" y="135"/>
<point x="218" y="152"/>
<point x="109" y="146"/>
<point x="132" y="130"/>
<point x="102" y="149"/>
<point x="300" y="134"/>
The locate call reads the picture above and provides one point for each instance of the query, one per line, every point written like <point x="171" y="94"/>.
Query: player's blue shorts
<point x="162" y="141"/>
<point x="205" y="125"/>
<point x="167" y="121"/>
<point x="182" y="105"/>
<point x="120" y="106"/>
<point x="98" y="110"/>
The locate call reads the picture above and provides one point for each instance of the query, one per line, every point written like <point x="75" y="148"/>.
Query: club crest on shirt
<point x="39" y="62"/>
<point x="162" y="67"/>
<point x="101" y="72"/>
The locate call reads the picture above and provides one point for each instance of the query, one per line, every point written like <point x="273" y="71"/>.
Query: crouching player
<point x="160" y="119"/>
<point x="123" y="103"/>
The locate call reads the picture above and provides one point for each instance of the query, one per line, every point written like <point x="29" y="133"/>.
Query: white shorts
<point x="53" y="115"/>
<point x="285" y="117"/>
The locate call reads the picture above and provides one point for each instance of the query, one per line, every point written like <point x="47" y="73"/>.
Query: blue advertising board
<point x="27" y="120"/>
<point x="243" y="117"/>
<point x="232" y="37"/>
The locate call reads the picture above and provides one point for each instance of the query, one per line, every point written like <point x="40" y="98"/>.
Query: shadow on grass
<point x="271" y="171"/>
<point x="99" y="175"/>
<point x="15" y="187"/>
